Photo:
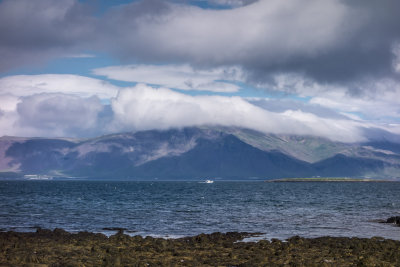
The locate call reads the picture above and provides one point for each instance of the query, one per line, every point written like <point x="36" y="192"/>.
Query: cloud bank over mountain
<point x="143" y="107"/>
<point x="320" y="67"/>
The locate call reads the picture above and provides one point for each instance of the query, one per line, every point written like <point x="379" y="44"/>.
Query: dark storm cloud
<point x="366" y="52"/>
<point x="118" y="29"/>
<point x="327" y="40"/>
<point x="31" y="32"/>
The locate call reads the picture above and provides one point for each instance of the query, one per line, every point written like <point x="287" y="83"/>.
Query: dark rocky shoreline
<point x="60" y="248"/>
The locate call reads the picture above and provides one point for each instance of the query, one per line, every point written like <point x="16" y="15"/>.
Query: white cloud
<point x="8" y="115"/>
<point x="26" y="85"/>
<point x="69" y="105"/>
<point x="373" y="99"/>
<point x="143" y="107"/>
<point x="58" y="115"/>
<point x="182" y="77"/>
<point x="380" y="101"/>
<point x="8" y="102"/>
<point x="52" y="105"/>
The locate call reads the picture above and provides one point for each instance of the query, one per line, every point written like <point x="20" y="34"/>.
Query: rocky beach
<point x="60" y="248"/>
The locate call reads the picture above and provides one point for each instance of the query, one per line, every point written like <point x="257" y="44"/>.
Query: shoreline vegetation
<point x="60" y="248"/>
<point x="330" y="179"/>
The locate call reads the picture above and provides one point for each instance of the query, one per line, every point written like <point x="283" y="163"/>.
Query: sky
<point x="327" y="68"/>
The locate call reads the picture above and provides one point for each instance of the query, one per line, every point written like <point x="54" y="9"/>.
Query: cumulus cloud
<point x="54" y="105"/>
<point x="58" y="115"/>
<point x="54" y="115"/>
<point x="8" y="116"/>
<point x="8" y="102"/>
<point x="182" y="77"/>
<point x="26" y="85"/>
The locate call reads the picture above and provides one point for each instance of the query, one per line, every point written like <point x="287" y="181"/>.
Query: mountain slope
<point x="343" y="166"/>
<point x="226" y="157"/>
<point x="197" y="153"/>
<point x="306" y="148"/>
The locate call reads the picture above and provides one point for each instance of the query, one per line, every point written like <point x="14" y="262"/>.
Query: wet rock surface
<point x="60" y="248"/>
<point x="395" y="220"/>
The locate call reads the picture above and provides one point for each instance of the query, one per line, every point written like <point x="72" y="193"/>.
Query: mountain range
<point x="197" y="153"/>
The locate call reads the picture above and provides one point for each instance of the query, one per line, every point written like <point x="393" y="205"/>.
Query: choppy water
<point x="280" y="210"/>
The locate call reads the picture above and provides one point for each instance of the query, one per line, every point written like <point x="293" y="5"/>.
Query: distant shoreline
<point x="329" y="180"/>
<point x="320" y="179"/>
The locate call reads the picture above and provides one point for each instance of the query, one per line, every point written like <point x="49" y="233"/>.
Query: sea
<point x="186" y="208"/>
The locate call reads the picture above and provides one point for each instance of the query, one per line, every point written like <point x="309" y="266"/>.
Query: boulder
<point x="395" y="220"/>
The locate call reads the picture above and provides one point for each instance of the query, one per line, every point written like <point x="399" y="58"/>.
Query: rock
<point x="60" y="248"/>
<point x="119" y="230"/>
<point x="58" y="231"/>
<point x="395" y="220"/>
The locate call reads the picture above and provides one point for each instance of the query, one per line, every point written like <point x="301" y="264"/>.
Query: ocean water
<point x="175" y="209"/>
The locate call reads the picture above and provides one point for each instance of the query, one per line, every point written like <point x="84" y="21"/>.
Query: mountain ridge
<point x="197" y="153"/>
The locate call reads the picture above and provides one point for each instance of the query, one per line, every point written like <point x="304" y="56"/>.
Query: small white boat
<point x="209" y="181"/>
